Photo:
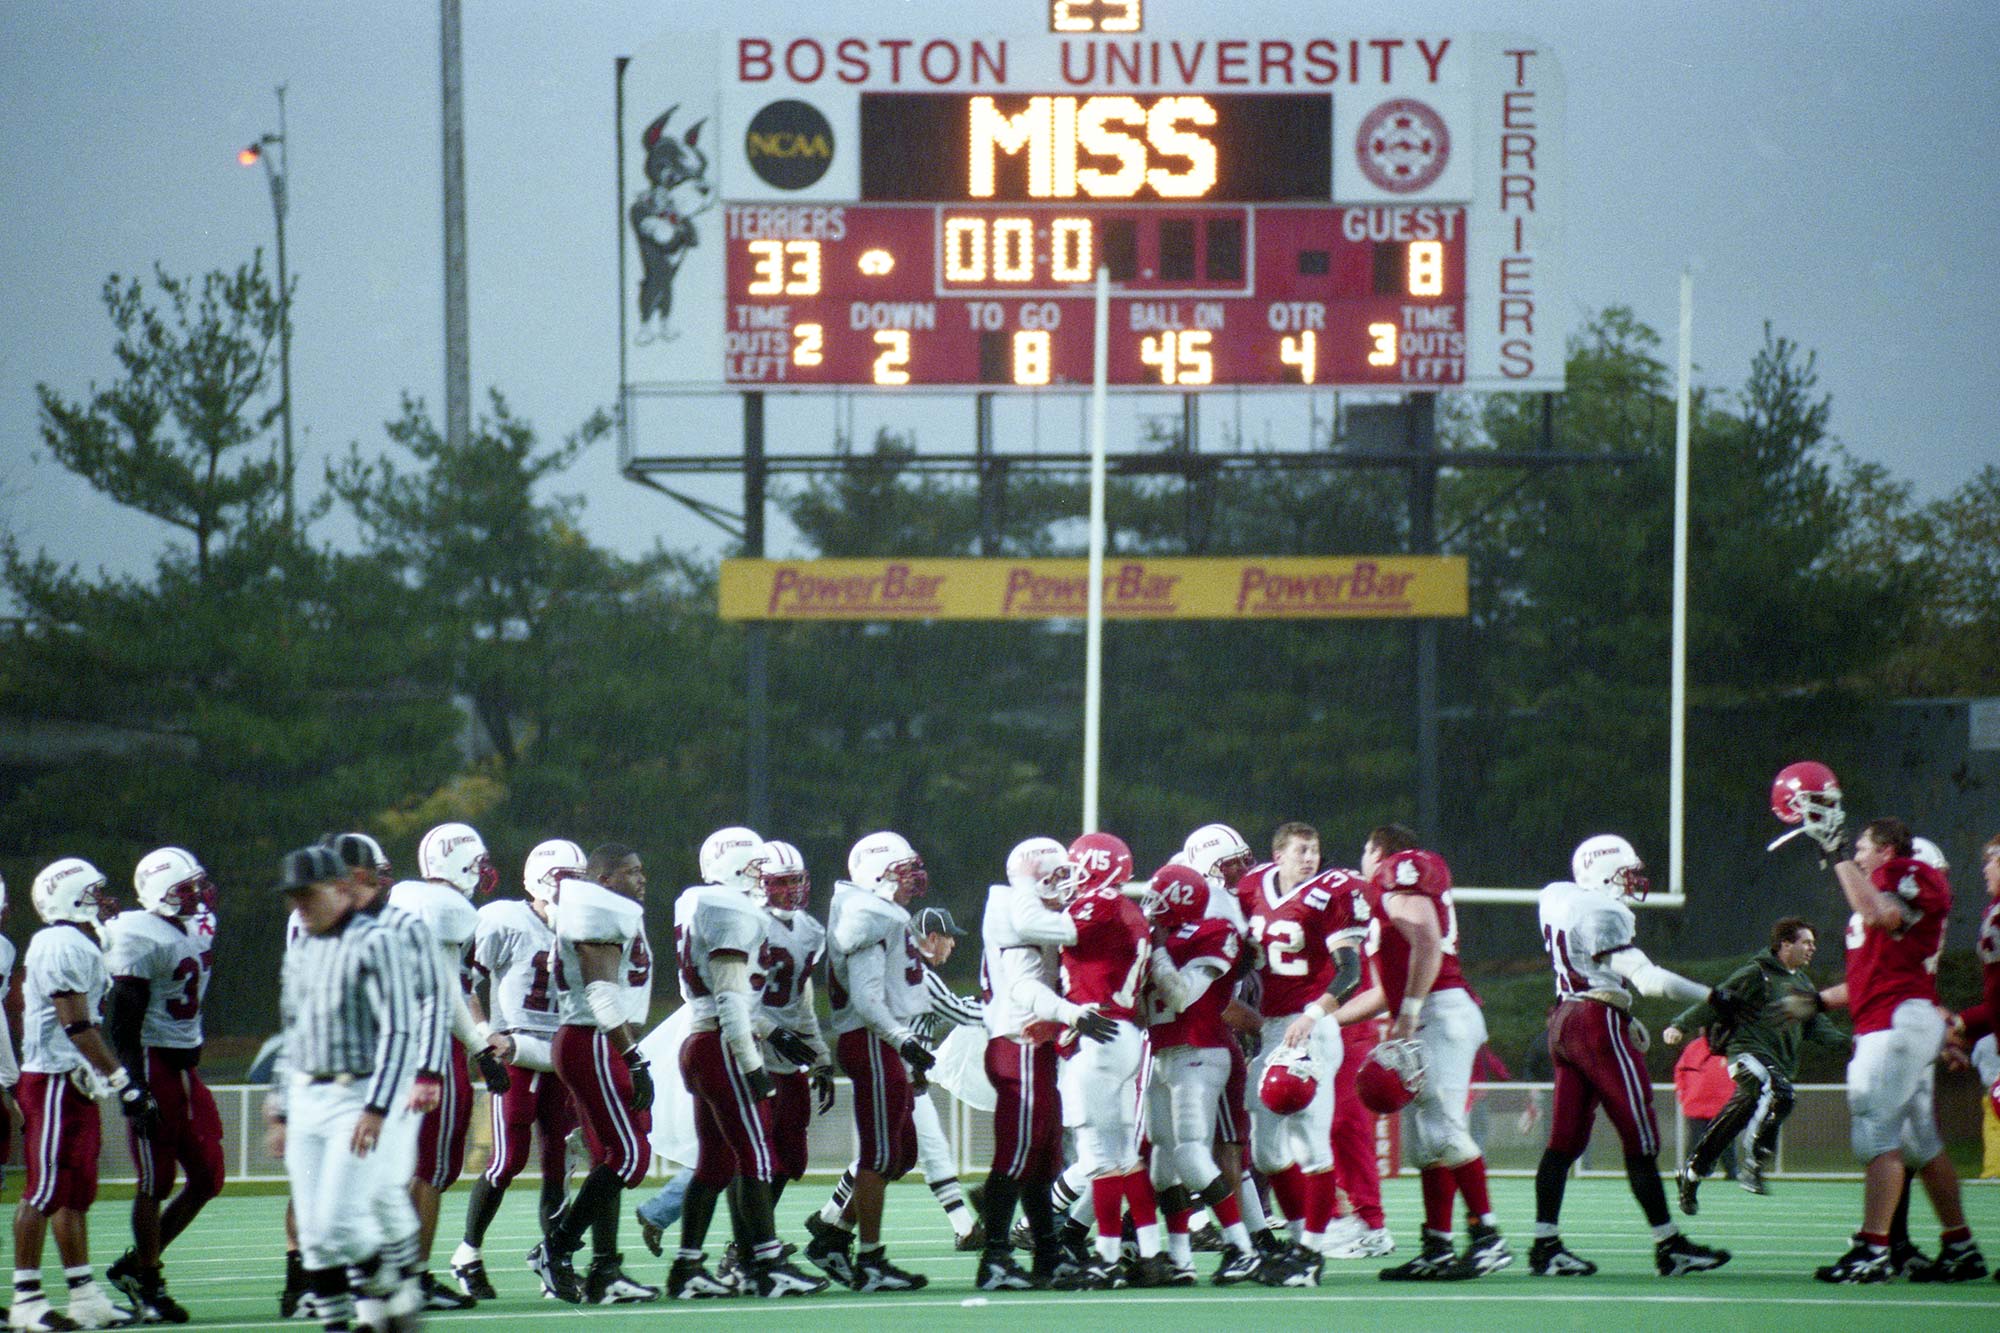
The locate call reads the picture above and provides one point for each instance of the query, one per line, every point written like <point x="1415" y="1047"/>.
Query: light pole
<point x="275" y="176"/>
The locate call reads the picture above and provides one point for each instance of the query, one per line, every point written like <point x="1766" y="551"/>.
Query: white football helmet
<point x="548" y="865"/>
<point x="1219" y="853"/>
<point x="71" y="889"/>
<point x="1043" y="864"/>
<point x="456" y="854"/>
<point x="778" y="870"/>
<point x="1607" y="864"/>
<point x="726" y="855"/>
<point x="886" y="865"/>
<point x="1923" y="849"/>
<point x="170" y="882"/>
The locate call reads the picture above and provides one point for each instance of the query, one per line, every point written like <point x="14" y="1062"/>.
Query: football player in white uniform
<point x="61" y="1050"/>
<point x="1599" y="1051"/>
<point x="514" y="949"/>
<point x="454" y="867"/>
<point x="876" y="984"/>
<point x="718" y="938"/>
<point x="10" y="1066"/>
<point x="795" y="1053"/>
<point x="604" y="989"/>
<point x="161" y="957"/>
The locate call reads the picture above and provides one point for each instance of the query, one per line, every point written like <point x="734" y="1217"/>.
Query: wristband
<point x="78" y="1028"/>
<point x="1413" y="1007"/>
<point x="118" y="1080"/>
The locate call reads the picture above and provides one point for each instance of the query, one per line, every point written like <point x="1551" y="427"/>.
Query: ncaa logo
<point x="789" y="144"/>
<point x="1402" y="146"/>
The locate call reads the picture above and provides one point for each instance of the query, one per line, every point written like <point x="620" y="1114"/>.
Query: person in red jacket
<point x="1702" y="1086"/>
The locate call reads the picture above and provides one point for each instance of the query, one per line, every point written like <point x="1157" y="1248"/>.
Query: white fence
<point x="1509" y="1119"/>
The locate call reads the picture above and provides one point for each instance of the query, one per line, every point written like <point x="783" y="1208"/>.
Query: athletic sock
<point x="77" y="1277"/>
<point x="1471" y="1179"/>
<point x="481" y="1204"/>
<point x="1107" y="1195"/>
<point x="1439" y="1187"/>
<point x="1179" y="1249"/>
<point x="1002" y="1193"/>
<point x="1289" y="1185"/>
<point x="1642" y="1172"/>
<point x="1551" y="1180"/>
<point x="1250" y="1205"/>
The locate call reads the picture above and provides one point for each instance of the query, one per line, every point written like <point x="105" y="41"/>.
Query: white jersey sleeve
<point x="175" y="960"/>
<point x="587" y="913"/>
<point x="887" y="990"/>
<point x="1009" y="967"/>
<point x="708" y="921"/>
<point x="62" y="959"/>
<point x="515" y="948"/>
<point x="10" y="1067"/>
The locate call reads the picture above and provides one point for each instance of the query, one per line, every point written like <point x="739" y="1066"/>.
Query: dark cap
<point x="935" y="921"/>
<point x="309" y="866"/>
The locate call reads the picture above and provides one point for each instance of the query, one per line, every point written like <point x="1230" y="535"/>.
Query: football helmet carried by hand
<point x="1607" y="864"/>
<point x="726" y="855"/>
<point x="1808" y="794"/>
<point x="455" y="854"/>
<point x="1391" y="1077"/>
<point x="1219" y="852"/>
<point x="170" y="882"/>
<point x="1041" y="864"/>
<point x="1103" y="861"/>
<point x="782" y="882"/>
<point x="1290" y="1081"/>
<point x="887" y="866"/>
<point x="1176" y="896"/>
<point x="549" y="864"/>
<point x="71" y="889"/>
<point x="1923" y="849"/>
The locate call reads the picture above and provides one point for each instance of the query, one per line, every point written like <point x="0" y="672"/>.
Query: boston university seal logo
<point x="1402" y="146"/>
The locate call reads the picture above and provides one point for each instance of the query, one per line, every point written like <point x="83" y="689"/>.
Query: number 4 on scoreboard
<point x="1301" y="352"/>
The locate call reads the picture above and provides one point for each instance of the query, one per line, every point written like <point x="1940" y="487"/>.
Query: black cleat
<point x="874" y="1272"/>
<point x="472" y="1280"/>
<point x="1486" y="1252"/>
<point x="441" y="1298"/>
<point x="776" y="1281"/>
<point x="1093" y="1276"/>
<point x="1959" y="1261"/>
<point x="1863" y="1263"/>
<point x="295" y="1285"/>
<point x="607" y="1283"/>
<point x="651" y="1235"/>
<point x="973" y="1241"/>
<point x="1548" y="1257"/>
<point x="1158" y="1271"/>
<point x="1687" y="1182"/>
<point x="1239" y="1268"/>
<point x="1208" y="1240"/>
<point x="1435" y="1262"/>
<point x="999" y="1272"/>
<point x="1905" y="1258"/>
<point x="689" y="1280"/>
<point x="558" y="1275"/>
<point x="831" y="1249"/>
<point x="1677" y="1255"/>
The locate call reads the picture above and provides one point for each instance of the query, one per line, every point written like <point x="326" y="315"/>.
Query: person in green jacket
<point x="1762" y="1048"/>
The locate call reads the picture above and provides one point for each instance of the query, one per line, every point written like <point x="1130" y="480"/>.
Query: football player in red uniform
<point x="1894" y="937"/>
<point x="1422" y="987"/>
<point x="1983" y="1019"/>
<point x="1105" y="970"/>
<point x="1307" y="928"/>
<point x="1196" y="962"/>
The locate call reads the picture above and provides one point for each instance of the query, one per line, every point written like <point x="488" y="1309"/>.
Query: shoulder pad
<point x="865" y="920"/>
<point x="728" y="920"/>
<point x="598" y="916"/>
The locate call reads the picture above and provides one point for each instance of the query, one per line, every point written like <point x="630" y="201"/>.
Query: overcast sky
<point x="1830" y="168"/>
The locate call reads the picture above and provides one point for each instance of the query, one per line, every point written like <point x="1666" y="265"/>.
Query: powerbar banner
<point x="1182" y="588"/>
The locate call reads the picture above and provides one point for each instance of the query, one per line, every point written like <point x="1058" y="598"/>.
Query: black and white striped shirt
<point x="957" y="1010"/>
<point x="351" y="1010"/>
<point x="431" y="1011"/>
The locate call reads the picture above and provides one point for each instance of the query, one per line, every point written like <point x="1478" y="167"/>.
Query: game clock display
<point x="970" y="258"/>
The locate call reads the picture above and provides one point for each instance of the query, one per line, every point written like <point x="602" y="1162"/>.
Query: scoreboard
<point x="1272" y="207"/>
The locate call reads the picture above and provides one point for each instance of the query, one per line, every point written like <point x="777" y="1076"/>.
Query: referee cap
<point x="935" y="921"/>
<point x="309" y="866"/>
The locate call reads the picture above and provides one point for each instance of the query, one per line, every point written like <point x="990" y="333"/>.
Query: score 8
<point x="1031" y="357"/>
<point x="784" y="268"/>
<point x="1426" y="268"/>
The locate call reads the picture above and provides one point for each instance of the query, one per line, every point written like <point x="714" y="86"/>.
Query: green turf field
<point x="227" y="1270"/>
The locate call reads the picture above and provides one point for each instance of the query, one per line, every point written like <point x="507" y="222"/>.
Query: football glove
<point x="822" y="1086"/>
<point x="792" y="1046"/>
<point x="915" y="1055"/>
<point x="139" y="1107"/>
<point x="642" y="1079"/>
<point x="1096" y="1026"/>
<point x="492" y="1070"/>
<point x="762" y="1086"/>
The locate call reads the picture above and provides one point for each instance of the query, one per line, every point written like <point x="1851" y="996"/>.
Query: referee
<point x="351" y="1038"/>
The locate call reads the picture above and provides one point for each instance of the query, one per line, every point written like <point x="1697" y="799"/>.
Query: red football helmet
<point x="1177" y="895"/>
<point x="1290" y="1081"/>
<point x="1103" y="861"/>
<point x="1391" y="1077"/>
<point x="1805" y="793"/>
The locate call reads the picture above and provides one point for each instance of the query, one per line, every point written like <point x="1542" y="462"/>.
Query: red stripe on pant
<point x="441" y="1133"/>
<point x="1027" y="1112"/>
<point x="187" y="1134"/>
<point x="60" y="1142"/>
<point x="600" y="1088"/>
<point x="533" y="1099"/>
<point x="731" y="1127"/>
<point x="882" y="1103"/>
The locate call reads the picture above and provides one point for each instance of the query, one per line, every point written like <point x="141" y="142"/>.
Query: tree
<point x="177" y="437"/>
